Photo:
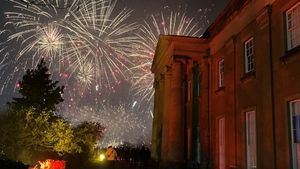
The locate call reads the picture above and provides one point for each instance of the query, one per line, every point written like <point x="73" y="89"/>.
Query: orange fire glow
<point x="51" y="164"/>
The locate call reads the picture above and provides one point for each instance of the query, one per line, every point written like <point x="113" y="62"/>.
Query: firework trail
<point x="32" y="33"/>
<point x="173" y="23"/>
<point x="121" y="123"/>
<point x="36" y="30"/>
<point x="81" y="40"/>
<point x="99" y="40"/>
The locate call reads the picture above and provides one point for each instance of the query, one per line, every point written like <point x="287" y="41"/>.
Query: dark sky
<point x="87" y="102"/>
<point x="203" y="12"/>
<point x="143" y="8"/>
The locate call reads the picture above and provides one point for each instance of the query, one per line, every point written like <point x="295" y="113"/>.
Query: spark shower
<point x="96" y="51"/>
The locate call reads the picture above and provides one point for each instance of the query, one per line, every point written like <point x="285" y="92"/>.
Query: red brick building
<point x="231" y="99"/>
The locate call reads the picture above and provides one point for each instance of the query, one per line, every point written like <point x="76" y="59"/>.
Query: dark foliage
<point x="10" y="164"/>
<point x="89" y="132"/>
<point x="38" y="90"/>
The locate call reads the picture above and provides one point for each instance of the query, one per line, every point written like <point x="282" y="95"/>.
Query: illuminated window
<point x="251" y="139"/>
<point x="221" y="73"/>
<point x="293" y="26"/>
<point x="249" y="55"/>
<point x="294" y="108"/>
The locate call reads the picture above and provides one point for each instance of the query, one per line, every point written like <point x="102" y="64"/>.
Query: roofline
<point x="224" y="17"/>
<point x="172" y="40"/>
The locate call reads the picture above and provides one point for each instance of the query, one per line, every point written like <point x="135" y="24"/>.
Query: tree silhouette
<point x="38" y="90"/>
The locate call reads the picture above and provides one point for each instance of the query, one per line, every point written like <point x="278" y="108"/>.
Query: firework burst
<point x="50" y="41"/>
<point x="81" y="38"/>
<point x="86" y="75"/>
<point x="36" y="28"/>
<point x="35" y="33"/>
<point x="100" y="38"/>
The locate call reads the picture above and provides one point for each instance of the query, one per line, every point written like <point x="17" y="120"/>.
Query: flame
<point x="51" y="164"/>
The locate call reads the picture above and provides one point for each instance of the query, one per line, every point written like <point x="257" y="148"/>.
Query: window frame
<point x="288" y="34"/>
<point x="291" y="133"/>
<point x="248" y="138"/>
<point x="249" y="56"/>
<point x="221" y="73"/>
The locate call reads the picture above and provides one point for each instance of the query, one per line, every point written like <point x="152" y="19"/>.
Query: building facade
<point x="231" y="99"/>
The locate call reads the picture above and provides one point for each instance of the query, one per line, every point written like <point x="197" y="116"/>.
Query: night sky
<point x="101" y="53"/>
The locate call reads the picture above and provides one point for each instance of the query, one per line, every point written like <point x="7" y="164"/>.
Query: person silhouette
<point x="111" y="156"/>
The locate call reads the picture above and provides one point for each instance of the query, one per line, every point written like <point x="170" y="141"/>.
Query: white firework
<point x="122" y="124"/>
<point x="36" y="28"/>
<point x="68" y="34"/>
<point x="50" y="41"/>
<point x="86" y="75"/>
<point x="100" y="38"/>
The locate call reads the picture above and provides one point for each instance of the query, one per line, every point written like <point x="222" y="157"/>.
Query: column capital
<point x="207" y="55"/>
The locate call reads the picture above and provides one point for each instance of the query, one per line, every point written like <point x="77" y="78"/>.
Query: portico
<point x="177" y="99"/>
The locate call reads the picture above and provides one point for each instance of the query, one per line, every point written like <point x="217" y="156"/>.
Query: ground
<point x="119" y="165"/>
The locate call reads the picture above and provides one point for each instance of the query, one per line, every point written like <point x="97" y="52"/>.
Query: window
<point x="221" y="142"/>
<point x="251" y="139"/>
<point x="293" y="26"/>
<point x="249" y="55"/>
<point x="221" y="73"/>
<point x="294" y="108"/>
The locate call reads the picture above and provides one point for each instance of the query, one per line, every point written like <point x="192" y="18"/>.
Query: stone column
<point x="160" y="103"/>
<point x="164" y="105"/>
<point x="155" y="124"/>
<point x="195" y="156"/>
<point x="175" y="117"/>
